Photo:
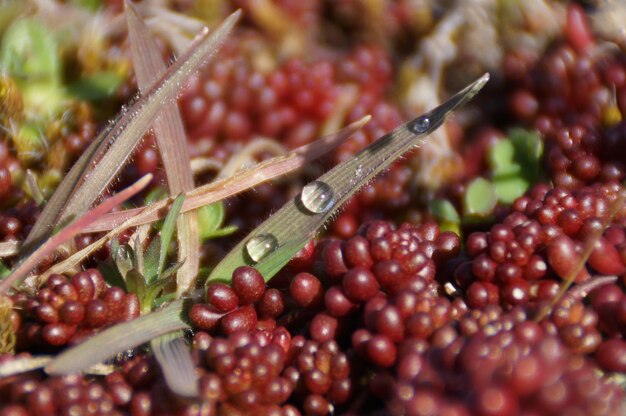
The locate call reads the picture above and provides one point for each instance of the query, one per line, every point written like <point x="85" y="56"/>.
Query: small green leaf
<point x="527" y="143"/>
<point x="511" y="188"/>
<point x="96" y="86"/>
<point x="210" y="220"/>
<point x="450" y="226"/>
<point x="480" y="198"/>
<point x="163" y="299"/>
<point x="444" y="211"/>
<point x="112" y="276"/>
<point x="222" y="232"/>
<point x="4" y="270"/>
<point x="136" y="283"/>
<point x="44" y="97"/>
<point x="169" y="272"/>
<point x="29" y="52"/>
<point x="501" y="158"/>
<point x="153" y="291"/>
<point x="151" y="260"/>
<point x="167" y="232"/>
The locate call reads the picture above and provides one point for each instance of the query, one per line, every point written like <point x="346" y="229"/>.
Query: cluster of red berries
<point x="575" y="98"/>
<point x="512" y="364"/>
<point x="67" y="310"/>
<point x="524" y="257"/>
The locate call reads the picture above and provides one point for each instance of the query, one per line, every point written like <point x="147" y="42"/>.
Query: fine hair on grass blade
<point x="106" y="155"/>
<point x="118" y="338"/>
<point x="71" y="230"/>
<point x="172" y="353"/>
<point x="271" y="245"/>
<point x="172" y="142"/>
<point x="239" y="182"/>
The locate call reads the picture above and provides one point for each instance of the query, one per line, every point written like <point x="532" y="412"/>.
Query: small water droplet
<point x="317" y="197"/>
<point x="260" y="246"/>
<point x="420" y="125"/>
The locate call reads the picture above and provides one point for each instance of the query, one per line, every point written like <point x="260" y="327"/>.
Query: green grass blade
<point x="293" y="225"/>
<point x="167" y="232"/>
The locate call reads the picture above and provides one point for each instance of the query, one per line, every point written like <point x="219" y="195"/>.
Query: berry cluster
<point x="575" y="98"/>
<point x="67" y="310"/>
<point x="524" y="257"/>
<point x="512" y="364"/>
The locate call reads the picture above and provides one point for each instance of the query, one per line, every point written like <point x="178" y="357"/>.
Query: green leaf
<point x="29" y="52"/>
<point x="501" y="158"/>
<point x="96" y="86"/>
<point x="527" y="143"/>
<point x="163" y="299"/>
<point x="444" y="211"/>
<point x="222" y="232"/>
<point x="112" y="276"/>
<point x="528" y="151"/>
<point x="289" y="229"/>
<point x="4" y="270"/>
<point x="480" y="198"/>
<point x="167" y="232"/>
<point x="169" y="272"/>
<point x="450" y="226"/>
<point x="151" y="260"/>
<point x="136" y="283"/>
<point x="508" y="189"/>
<point x="210" y="220"/>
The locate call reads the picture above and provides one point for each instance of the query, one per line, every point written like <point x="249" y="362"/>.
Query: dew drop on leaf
<point x="317" y="197"/>
<point x="260" y="246"/>
<point x="420" y="125"/>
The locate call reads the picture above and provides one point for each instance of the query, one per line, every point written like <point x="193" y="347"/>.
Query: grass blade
<point x="237" y="183"/>
<point x="119" y="338"/>
<point x="167" y="232"/>
<point x="103" y="159"/>
<point x="293" y="225"/>
<point x="71" y="231"/>
<point x="172" y="141"/>
<point x="172" y="353"/>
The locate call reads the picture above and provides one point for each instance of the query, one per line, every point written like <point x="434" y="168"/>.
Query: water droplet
<point x="260" y="246"/>
<point x="317" y="197"/>
<point x="420" y="125"/>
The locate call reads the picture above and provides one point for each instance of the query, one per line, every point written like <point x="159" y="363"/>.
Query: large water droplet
<point x="260" y="246"/>
<point x="420" y="125"/>
<point x="318" y="197"/>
